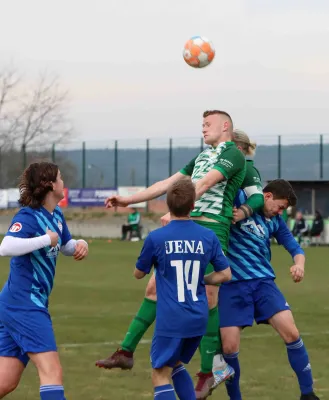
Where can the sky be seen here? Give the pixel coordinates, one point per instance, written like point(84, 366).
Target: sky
point(121, 61)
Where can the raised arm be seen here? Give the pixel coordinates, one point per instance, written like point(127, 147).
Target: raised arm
point(150, 193)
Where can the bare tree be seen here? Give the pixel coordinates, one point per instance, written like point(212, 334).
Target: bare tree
point(30, 120)
point(9, 83)
point(43, 114)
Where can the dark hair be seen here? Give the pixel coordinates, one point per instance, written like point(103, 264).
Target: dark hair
point(219, 112)
point(36, 182)
point(181, 197)
point(281, 189)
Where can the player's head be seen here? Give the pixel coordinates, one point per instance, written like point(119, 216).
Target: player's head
point(40, 182)
point(243, 143)
point(217, 127)
point(181, 198)
point(278, 196)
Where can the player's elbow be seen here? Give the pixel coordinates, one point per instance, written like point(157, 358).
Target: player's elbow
point(139, 274)
point(227, 275)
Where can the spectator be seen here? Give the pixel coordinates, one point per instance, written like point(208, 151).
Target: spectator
point(300, 229)
point(317, 226)
point(133, 225)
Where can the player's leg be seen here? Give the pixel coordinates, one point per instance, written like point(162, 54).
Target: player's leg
point(164, 356)
point(123, 357)
point(231, 344)
point(271, 307)
point(237, 311)
point(11, 370)
point(163, 390)
point(209, 344)
point(33, 333)
point(283, 322)
point(50, 375)
point(182, 380)
point(12, 362)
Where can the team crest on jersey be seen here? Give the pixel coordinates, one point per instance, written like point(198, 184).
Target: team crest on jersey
point(251, 227)
point(60, 226)
point(16, 227)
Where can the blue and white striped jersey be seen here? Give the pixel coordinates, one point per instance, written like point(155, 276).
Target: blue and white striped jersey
point(31, 276)
point(249, 251)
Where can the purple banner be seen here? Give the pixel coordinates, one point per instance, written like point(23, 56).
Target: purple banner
point(90, 197)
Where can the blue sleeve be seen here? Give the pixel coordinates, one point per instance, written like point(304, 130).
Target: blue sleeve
point(146, 258)
point(66, 235)
point(284, 237)
point(23, 225)
point(218, 259)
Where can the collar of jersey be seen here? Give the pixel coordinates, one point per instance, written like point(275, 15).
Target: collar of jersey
point(219, 144)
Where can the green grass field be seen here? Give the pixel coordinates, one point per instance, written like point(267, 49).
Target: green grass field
point(94, 301)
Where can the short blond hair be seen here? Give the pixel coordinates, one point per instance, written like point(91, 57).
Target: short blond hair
point(240, 138)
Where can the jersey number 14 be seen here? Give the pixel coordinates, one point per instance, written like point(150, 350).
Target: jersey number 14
point(183, 274)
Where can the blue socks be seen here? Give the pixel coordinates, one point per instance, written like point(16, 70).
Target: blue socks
point(164, 392)
point(52, 392)
point(183, 383)
point(233, 385)
point(300, 363)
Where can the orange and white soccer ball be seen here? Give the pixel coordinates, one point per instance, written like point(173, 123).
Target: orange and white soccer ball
point(198, 52)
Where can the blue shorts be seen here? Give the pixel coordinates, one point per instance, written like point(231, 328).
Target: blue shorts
point(25, 331)
point(168, 351)
point(242, 302)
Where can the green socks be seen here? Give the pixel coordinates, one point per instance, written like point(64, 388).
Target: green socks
point(139, 325)
point(210, 342)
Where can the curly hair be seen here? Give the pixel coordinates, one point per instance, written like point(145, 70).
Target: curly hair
point(36, 182)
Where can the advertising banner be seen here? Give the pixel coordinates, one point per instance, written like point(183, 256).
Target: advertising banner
point(130, 190)
point(89, 197)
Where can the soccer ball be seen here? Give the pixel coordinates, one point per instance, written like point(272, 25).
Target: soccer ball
point(198, 52)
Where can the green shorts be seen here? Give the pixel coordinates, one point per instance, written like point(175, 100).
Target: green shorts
point(222, 231)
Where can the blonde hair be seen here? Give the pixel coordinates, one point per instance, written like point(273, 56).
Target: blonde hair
point(241, 139)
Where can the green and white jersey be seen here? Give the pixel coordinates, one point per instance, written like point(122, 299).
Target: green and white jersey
point(252, 186)
point(217, 202)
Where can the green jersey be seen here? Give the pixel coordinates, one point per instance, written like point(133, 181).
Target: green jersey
point(252, 186)
point(134, 218)
point(217, 202)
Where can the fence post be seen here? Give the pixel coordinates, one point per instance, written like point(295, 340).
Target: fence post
point(53, 153)
point(116, 165)
point(83, 164)
point(147, 178)
point(279, 156)
point(321, 156)
point(24, 155)
point(170, 156)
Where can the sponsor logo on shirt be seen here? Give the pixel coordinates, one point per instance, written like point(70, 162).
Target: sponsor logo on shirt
point(60, 226)
point(16, 227)
point(53, 252)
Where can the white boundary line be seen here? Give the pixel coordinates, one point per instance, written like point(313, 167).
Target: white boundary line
point(115, 343)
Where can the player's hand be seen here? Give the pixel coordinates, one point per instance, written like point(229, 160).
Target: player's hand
point(165, 219)
point(53, 237)
point(235, 215)
point(297, 273)
point(117, 201)
point(81, 250)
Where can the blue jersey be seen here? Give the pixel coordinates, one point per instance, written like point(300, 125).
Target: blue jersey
point(180, 253)
point(249, 251)
point(32, 275)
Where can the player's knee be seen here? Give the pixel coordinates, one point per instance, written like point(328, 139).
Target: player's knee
point(291, 334)
point(53, 374)
point(7, 387)
point(230, 346)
